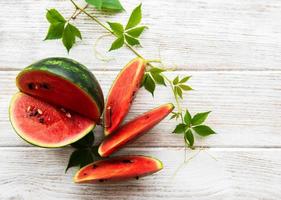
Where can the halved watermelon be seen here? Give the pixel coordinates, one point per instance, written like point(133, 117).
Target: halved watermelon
point(63, 82)
point(133, 129)
point(59, 103)
point(44, 125)
point(122, 93)
point(118, 168)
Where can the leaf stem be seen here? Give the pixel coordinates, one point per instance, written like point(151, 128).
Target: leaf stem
point(104, 26)
point(176, 97)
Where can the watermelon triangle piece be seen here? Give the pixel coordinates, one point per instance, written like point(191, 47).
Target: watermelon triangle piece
point(133, 129)
point(118, 168)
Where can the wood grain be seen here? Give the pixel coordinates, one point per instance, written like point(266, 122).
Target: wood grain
point(194, 35)
point(232, 50)
point(33, 173)
point(246, 109)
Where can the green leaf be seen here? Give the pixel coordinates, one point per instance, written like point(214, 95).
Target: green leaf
point(178, 91)
point(136, 32)
point(176, 80)
point(118, 43)
point(131, 41)
point(149, 84)
point(158, 79)
point(96, 3)
point(55, 31)
point(86, 142)
point(80, 158)
point(189, 138)
point(75, 31)
point(203, 130)
point(135, 18)
point(117, 28)
point(185, 79)
point(144, 79)
point(199, 118)
point(112, 5)
point(185, 87)
point(68, 37)
point(53, 16)
point(187, 118)
point(156, 70)
point(180, 128)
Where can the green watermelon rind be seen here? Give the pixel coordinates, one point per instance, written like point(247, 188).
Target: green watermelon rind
point(30, 141)
point(72, 71)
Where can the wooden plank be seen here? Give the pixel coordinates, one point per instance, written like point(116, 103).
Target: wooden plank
point(195, 35)
point(33, 173)
point(246, 109)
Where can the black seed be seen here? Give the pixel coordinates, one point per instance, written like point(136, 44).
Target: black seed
point(95, 166)
point(31, 86)
point(85, 174)
point(147, 117)
point(45, 86)
point(137, 177)
point(33, 113)
point(41, 120)
point(101, 180)
point(127, 161)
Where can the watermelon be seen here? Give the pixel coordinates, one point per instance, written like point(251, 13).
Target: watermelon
point(122, 93)
point(118, 168)
point(63, 82)
point(133, 129)
point(59, 102)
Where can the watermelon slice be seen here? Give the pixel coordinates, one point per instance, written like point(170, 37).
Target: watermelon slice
point(118, 168)
point(44, 125)
point(133, 129)
point(59, 103)
point(122, 93)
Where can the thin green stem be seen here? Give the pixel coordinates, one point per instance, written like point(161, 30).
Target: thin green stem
point(176, 97)
point(105, 27)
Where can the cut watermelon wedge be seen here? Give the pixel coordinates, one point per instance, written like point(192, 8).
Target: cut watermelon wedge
point(122, 93)
point(118, 168)
point(133, 129)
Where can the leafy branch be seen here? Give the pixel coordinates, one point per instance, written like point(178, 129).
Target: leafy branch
point(129, 36)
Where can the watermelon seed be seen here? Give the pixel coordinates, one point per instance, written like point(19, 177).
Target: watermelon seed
point(85, 174)
point(31, 86)
point(28, 108)
point(137, 177)
point(45, 86)
point(127, 161)
point(95, 166)
point(63, 110)
point(41, 120)
point(36, 86)
point(68, 115)
point(33, 113)
point(40, 112)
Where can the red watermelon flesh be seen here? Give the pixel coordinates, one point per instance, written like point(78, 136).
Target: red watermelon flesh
point(133, 129)
point(45, 125)
point(58, 91)
point(122, 93)
point(118, 168)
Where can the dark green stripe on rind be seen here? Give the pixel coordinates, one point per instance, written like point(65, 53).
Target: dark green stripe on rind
point(73, 71)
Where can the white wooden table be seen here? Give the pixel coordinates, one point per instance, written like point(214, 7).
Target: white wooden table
point(233, 51)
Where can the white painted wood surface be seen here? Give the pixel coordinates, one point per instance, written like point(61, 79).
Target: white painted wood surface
point(232, 50)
